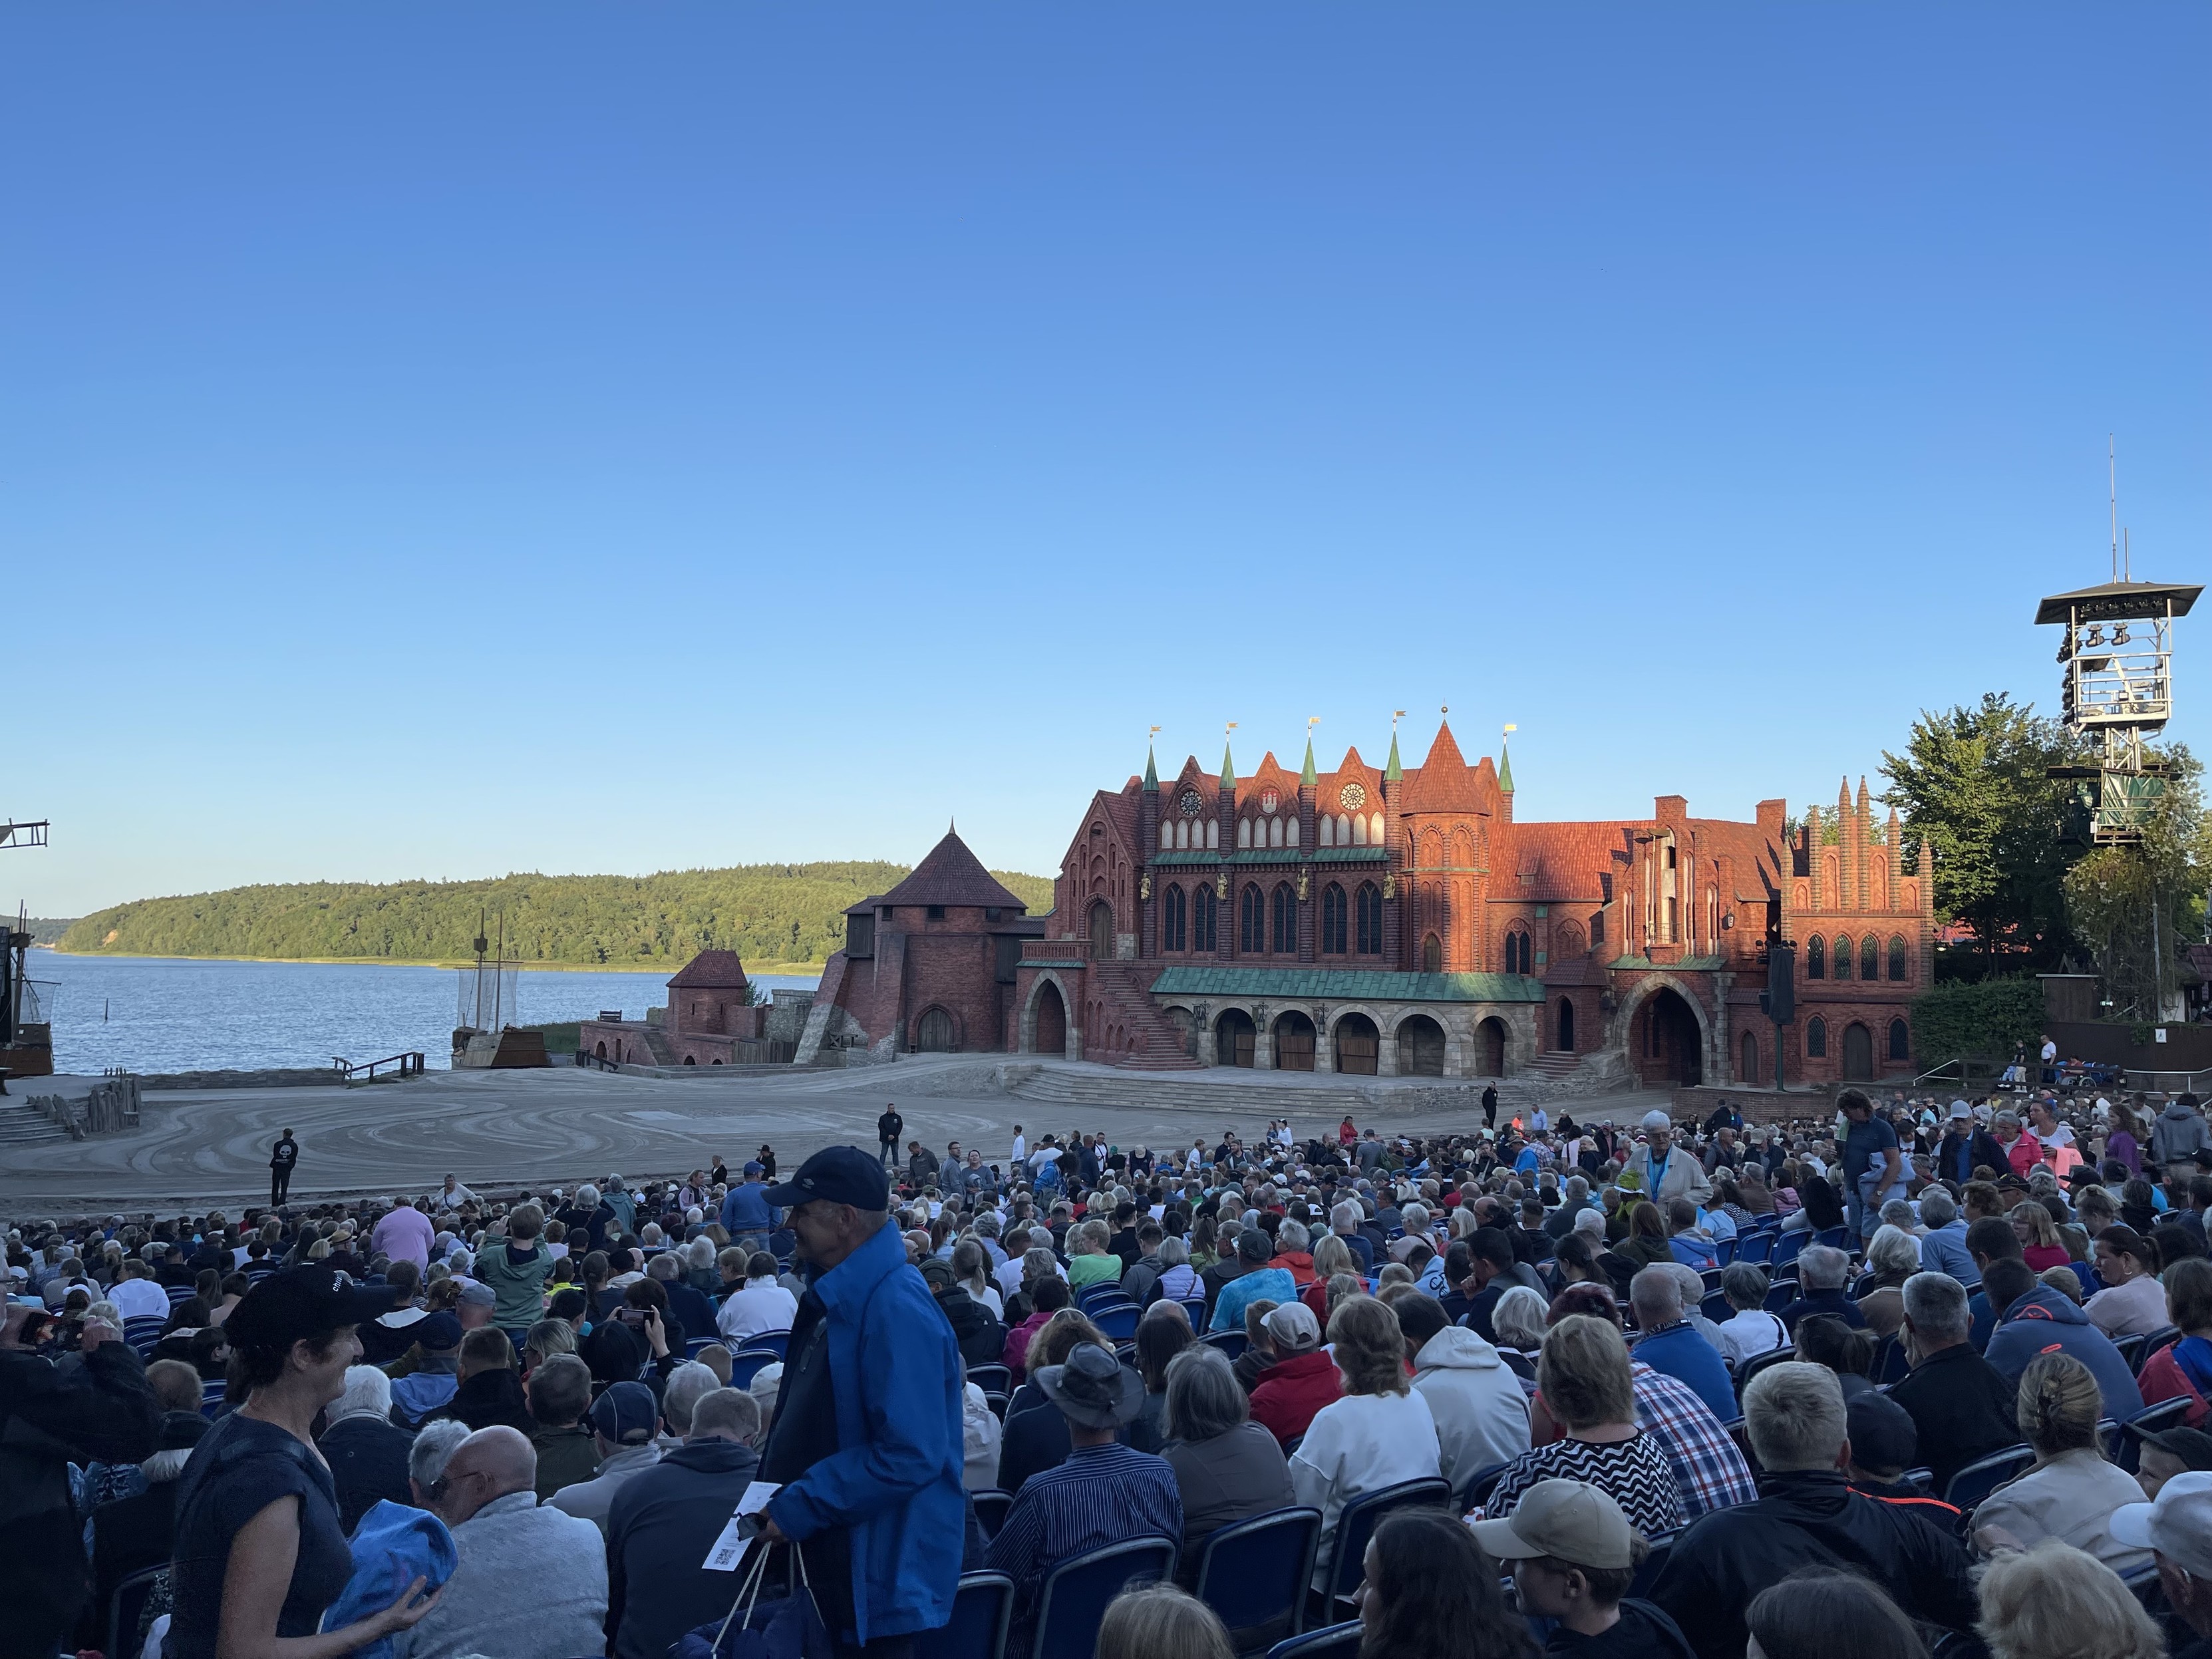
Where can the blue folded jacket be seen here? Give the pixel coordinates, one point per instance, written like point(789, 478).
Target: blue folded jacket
point(393, 1546)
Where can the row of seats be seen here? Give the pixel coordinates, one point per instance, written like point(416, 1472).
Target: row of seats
point(1255, 1575)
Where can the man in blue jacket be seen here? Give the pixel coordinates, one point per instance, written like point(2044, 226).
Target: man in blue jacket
point(2035, 1319)
point(745, 1211)
point(867, 1439)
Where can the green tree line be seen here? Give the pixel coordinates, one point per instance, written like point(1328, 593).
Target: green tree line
point(767, 913)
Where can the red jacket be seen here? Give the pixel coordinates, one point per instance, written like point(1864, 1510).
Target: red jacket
point(1291, 1390)
point(1300, 1265)
point(2024, 1154)
point(2163, 1378)
point(1018, 1343)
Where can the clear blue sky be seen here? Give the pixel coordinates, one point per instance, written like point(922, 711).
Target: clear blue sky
point(444, 441)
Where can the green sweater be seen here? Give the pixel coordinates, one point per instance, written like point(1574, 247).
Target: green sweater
point(521, 1284)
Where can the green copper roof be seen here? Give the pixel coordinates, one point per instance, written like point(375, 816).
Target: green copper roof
point(1345, 985)
point(1151, 773)
point(1306, 772)
point(1227, 770)
point(1394, 773)
point(1504, 768)
point(1687, 965)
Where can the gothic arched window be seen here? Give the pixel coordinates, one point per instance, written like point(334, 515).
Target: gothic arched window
point(1369, 903)
point(1172, 930)
point(1816, 1038)
point(1201, 920)
point(1518, 952)
point(1251, 922)
point(1900, 1041)
point(1897, 957)
point(1287, 919)
point(1869, 958)
point(1332, 928)
point(1432, 954)
point(1843, 960)
point(1816, 957)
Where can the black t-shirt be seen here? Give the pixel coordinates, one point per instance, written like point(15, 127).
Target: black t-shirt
point(239, 1467)
point(1642, 1632)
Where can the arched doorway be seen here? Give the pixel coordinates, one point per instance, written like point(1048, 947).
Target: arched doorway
point(1566, 1025)
point(1747, 1071)
point(1490, 1047)
point(1294, 1043)
point(1858, 1054)
point(1420, 1046)
point(600, 1049)
point(1234, 1037)
point(932, 1032)
point(1101, 932)
point(1051, 1021)
point(1357, 1045)
point(1432, 954)
point(1668, 1040)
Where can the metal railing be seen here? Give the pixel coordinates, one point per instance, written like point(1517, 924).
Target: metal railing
point(408, 1065)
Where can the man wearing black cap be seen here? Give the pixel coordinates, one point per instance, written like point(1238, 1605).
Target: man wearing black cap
point(867, 1442)
point(1105, 1493)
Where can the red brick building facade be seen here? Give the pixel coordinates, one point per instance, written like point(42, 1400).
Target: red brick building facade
point(1400, 920)
point(929, 967)
point(710, 1013)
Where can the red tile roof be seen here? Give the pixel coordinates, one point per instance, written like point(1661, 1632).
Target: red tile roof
point(711, 971)
point(951, 875)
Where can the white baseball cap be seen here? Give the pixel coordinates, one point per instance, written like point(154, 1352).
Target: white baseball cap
point(2178, 1526)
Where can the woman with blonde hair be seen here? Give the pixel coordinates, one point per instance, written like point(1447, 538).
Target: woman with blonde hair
point(1332, 1256)
point(1583, 1380)
point(2056, 1603)
point(1378, 1434)
point(2039, 1244)
point(1159, 1621)
point(2070, 1492)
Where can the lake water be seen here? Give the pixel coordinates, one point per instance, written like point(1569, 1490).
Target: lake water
point(170, 1014)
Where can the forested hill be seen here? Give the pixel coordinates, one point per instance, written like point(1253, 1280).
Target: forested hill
point(767, 913)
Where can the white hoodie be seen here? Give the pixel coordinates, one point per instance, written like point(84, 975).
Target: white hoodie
point(1481, 1411)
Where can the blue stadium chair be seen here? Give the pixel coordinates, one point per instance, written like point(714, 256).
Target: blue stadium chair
point(776, 1342)
point(1337, 1642)
point(1985, 1476)
point(1074, 1598)
point(1478, 1486)
point(1724, 1249)
point(2131, 1349)
point(1837, 1238)
point(992, 1379)
point(127, 1605)
point(991, 1507)
point(1255, 1574)
point(1754, 1248)
point(1780, 1294)
point(1355, 1526)
point(1712, 1278)
point(982, 1609)
point(749, 1363)
point(1101, 1296)
point(1231, 1343)
point(1118, 1323)
point(1787, 1245)
point(143, 1334)
point(1890, 1364)
point(1195, 1307)
point(1715, 1308)
point(2152, 1419)
point(178, 1293)
point(1760, 1362)
point(695, 1347)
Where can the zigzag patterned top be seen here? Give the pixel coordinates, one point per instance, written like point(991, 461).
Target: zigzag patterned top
point(1635, 1472)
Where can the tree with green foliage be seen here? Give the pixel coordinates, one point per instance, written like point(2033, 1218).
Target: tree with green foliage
point(1989, 1020)
point(767, 913)
point(2132, 906)
point(1974, 783)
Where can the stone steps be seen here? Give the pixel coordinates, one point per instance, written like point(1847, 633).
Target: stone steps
point(21, 1127)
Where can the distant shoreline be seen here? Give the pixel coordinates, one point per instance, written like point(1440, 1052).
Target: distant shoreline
point(787, 970)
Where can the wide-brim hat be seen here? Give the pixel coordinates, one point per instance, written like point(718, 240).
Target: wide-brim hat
point(1093, 1388)
point(299, 1304)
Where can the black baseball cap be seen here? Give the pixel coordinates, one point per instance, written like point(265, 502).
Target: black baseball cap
point(838, 1175)
point(301, 1303)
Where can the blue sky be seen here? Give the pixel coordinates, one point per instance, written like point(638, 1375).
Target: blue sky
point(439, 441)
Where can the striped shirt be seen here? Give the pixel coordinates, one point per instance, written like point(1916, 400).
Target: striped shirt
point(1709, 1471)
point(1635, 1472)
point(1101, 1495)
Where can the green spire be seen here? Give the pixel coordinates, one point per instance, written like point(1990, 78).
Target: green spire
point(1151, 773)
point(1227, 770)
point(1394, 773)
point(1504, 768)
point(1306, 772)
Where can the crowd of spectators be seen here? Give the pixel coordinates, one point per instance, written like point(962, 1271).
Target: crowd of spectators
point(1670, 1388)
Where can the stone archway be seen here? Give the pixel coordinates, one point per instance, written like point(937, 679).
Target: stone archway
point(1236, 1039)
point(1684, 1041)
point(1358, 1046)
point(1420, 1046)
point(1294, 1041)
point(1044, 1027)
point(1491, 1038)
point(934, 1033)
point(1101, 932)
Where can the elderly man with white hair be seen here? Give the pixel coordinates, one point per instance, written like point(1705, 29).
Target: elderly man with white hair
point(1663, 1170)
point(367, 1454)
point(1806, 1516)
point(529, 1578)
point(1821, 1271)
